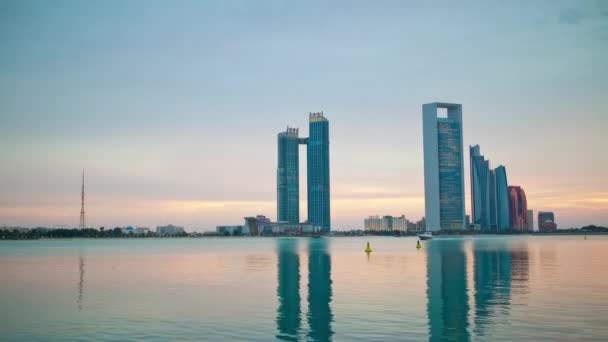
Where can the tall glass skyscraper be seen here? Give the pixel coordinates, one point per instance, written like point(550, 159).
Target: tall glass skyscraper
point(288, 176)
point(288, 190)
point(443, 167)
point(318, 172)
point(480, 188)
point(502, 198)
point(492, 191)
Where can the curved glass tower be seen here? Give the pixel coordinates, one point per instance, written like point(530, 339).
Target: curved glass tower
point(480, 189)
point(502, 198)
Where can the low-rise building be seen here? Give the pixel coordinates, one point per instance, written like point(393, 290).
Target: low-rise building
point(400, 223)
point(169, 230)
point(385, 223)
point(229, 230)
point(142, 230)
point(375, 223)
point(289, 228)
point(254, 224)
point(546, 221)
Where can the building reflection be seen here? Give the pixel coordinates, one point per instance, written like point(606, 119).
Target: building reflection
point(492, 269)
point(447, 295)
point(499, 267)
point(319, 314)
point(288, 290)
point(80, 282)
point(520, 261)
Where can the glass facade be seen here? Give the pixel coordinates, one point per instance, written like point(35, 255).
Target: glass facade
point(450, 173)
point(480, 189)
point(288, 189)
point(318, 172)
point(518, 208)
point(502, 199)
point(492, 192)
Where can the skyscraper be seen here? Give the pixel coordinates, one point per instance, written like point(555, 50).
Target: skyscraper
point(502, 198)
point(518, 208)
point(443, 167)
point(492, 192)
point(480, 188)
point(288, 177)
point(288, 189)
point(318, 172)
point(530, 220)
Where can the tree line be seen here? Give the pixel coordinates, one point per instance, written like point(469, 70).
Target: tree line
point(38, 233)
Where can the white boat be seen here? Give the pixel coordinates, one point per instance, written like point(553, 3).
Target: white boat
point(425, 236)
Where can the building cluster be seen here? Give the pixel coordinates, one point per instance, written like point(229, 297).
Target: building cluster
point(495, 205)
point(392, 223)
point(288, 187)
point(261, 225)
point(288, 174)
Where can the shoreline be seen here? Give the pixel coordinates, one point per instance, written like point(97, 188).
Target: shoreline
point(298, 236)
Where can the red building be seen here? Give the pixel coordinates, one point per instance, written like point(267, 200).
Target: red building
point(518, 208)
point(547, 226)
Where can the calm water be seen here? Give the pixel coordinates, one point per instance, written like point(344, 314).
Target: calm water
point(503, 288)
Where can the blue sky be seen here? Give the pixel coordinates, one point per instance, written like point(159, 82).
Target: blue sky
point(173, 108)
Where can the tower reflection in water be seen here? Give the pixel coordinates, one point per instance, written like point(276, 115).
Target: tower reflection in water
point(288, 290)
point(496, 266)
point(80, 282)
point(319, 316)
point(448, 303)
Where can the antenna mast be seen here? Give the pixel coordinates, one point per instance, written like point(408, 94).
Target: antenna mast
point(82, 224)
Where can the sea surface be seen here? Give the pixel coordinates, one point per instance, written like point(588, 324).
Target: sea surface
point(530, 288)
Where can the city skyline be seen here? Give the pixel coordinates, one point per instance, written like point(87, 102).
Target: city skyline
point(173, 114)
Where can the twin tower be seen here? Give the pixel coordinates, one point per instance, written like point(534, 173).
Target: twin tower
point(288, 174)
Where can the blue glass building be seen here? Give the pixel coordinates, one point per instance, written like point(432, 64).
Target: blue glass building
point(443, 167)
point(502, 198)
point(480, 188)
point(492, 191)
point(318, 172)
point(288, 176)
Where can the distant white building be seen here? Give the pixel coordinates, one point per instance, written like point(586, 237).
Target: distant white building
point(530, 222)
point(385, 223)
point(400, 223)
point(375, 223)
point(169, 230)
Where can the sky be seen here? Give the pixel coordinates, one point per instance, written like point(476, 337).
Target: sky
point(172, 108)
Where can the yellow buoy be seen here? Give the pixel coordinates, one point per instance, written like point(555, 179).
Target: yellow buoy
point(368, 249)
point(418, 244)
